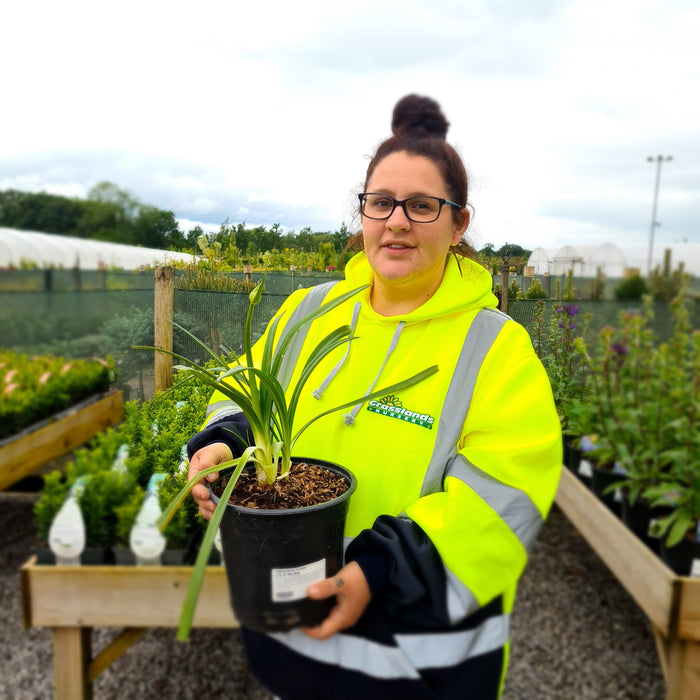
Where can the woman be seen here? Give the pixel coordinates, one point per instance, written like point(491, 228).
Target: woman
point(455, 475)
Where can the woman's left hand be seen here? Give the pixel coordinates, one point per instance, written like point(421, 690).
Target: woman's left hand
point(353, 596)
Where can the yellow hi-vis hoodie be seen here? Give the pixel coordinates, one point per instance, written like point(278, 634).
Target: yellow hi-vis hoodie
point(455, 474)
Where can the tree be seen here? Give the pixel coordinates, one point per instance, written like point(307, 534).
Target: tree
point(536, 291)
point(39, 211)
point(631, 288)
point(192, 237)
point(108, 192)
point(109, 214)
point(341, 238)
point(104, 221)
point(155, 228)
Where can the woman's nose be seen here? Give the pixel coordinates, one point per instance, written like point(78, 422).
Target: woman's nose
point(398, 219)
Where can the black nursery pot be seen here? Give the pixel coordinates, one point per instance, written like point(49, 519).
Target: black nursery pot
point(680, 557)
point(574, 457)
point(638, 517)
point(601, 479)
point(272, 556)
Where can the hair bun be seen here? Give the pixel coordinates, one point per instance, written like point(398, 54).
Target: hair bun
point(416, 113)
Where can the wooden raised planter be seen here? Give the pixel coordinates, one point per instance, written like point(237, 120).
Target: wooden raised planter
point(38, 445)
point(670, 602)
point(74, 599)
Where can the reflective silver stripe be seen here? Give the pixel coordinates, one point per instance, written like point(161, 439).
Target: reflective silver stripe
point(460, 600)
point(414, 651)
point(452, 648)
point(227, 408)
point(480, 337)
point(309, 303)
point(352, 653)
point(513, 505)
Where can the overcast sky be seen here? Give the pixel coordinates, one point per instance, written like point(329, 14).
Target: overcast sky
point(266, 112)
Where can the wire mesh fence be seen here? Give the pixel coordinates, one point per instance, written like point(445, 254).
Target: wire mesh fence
point(113, 312)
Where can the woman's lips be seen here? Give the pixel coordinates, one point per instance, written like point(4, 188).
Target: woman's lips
point(396, 246)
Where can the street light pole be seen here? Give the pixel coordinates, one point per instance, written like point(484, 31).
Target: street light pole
point(654, 223)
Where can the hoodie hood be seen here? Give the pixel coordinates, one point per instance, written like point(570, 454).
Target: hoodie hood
point(464, 286)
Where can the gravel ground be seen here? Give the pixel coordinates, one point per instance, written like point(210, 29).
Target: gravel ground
point(577, 634)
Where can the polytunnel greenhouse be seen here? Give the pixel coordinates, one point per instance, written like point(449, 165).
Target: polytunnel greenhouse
point(611, 260)
point(19, 248)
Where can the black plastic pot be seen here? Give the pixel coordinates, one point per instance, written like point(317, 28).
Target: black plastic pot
point(574, 459)
point(600, 481)
point(90, 556)
point(572, 456)
point(639, 515)
point(680, 557)
point(272, 556)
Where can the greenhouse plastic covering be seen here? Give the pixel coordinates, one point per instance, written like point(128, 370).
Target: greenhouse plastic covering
point(17, 248)
point(612, 260)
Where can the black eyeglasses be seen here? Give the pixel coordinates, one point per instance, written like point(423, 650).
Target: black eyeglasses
point(421, 210)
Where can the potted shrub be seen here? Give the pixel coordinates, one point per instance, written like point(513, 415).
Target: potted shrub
point(269, 461)
point(625, 379)
point(102, 490)
point(35, 388)
point(555, 341)
point(646, 398)
point(678, 486)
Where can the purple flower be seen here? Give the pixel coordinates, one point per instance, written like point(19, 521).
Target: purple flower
point(619, 349)
point(586, 444)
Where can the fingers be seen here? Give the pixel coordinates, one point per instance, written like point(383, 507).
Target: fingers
point(336, 621)
point(353, 596)
point(207, 457)
point(326, 588)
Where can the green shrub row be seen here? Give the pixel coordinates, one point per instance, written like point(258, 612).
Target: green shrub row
point(153, 434)
point(34, 388)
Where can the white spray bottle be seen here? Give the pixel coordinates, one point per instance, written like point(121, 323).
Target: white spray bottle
point(67, 531)
point(145, 539)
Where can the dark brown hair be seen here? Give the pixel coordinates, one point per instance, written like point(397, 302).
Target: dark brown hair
point(420, 128)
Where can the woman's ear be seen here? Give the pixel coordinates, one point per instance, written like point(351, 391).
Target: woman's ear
point(461, 228)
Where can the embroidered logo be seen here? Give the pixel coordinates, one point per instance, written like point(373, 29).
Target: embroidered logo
point(392, 407)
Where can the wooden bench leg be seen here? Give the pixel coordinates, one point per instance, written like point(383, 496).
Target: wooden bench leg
point(662, 648)
point(683, 682)
point(71, 657)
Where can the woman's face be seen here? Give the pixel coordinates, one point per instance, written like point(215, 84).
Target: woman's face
point(405, 254)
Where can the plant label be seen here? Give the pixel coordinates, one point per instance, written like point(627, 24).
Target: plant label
point(147, 543)
point(653, 530)
point(67, 533)
point(291, 584)
point(695, 569)
point(585, 468)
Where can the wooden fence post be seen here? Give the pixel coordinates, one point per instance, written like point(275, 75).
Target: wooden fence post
point(504, 289)
point(163, 327)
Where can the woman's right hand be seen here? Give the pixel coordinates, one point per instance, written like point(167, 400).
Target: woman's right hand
point(208, 456)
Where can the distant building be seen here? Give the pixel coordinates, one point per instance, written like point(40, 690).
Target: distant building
point(611, 260)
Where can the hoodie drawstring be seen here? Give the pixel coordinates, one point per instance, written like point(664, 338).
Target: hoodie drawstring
point(350, 417)
point(317, 393)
